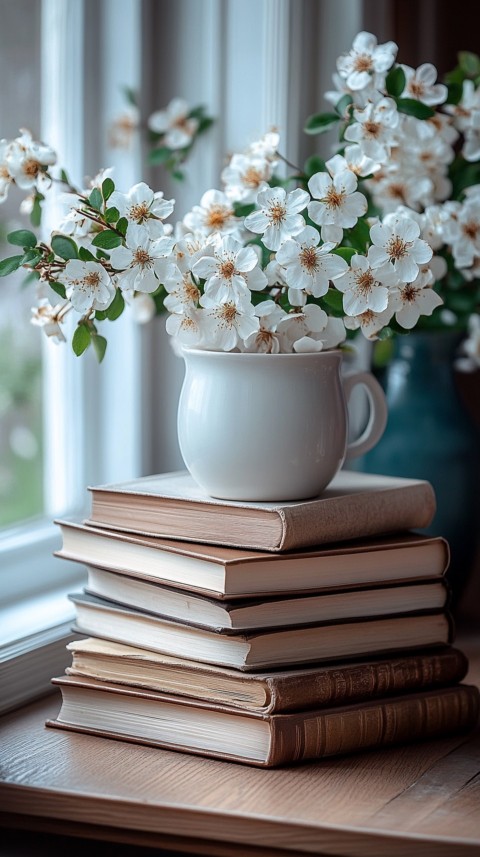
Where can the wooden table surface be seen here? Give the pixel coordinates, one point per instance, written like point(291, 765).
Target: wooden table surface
point(396, 802)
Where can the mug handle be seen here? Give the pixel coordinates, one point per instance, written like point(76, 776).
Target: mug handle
point(378, 412)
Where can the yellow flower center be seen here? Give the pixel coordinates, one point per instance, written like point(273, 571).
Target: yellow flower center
point(308, 259)
point(334, 198)
point(365, 282)
point(252, 177)
point(92, 279)
point(363, 62)
point(397, 248)
point(217, 216)
point(139, 212)
point(227, 269)
point(141, 257)
point(278, 213)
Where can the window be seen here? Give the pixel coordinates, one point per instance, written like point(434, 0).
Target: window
point(253, 65)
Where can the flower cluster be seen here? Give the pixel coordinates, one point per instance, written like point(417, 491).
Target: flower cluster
point(25, 162)
point(171, 132)
point(382, 236)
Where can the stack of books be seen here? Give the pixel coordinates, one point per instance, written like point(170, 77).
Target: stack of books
point(263, 633)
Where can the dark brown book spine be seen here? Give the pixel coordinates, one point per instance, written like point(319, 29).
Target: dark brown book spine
point(362, 727)
point(354, 682)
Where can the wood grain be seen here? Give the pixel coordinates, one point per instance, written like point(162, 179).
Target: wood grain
point(392, 801)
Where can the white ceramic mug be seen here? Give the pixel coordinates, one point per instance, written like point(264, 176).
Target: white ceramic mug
point(270, 427)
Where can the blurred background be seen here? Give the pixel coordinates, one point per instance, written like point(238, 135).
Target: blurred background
point(64, 66)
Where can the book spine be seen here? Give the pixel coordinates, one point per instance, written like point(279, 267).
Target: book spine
point(364, 515)
point(335, 732)
point(347, 684)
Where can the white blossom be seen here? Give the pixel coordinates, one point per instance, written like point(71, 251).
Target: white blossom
point(420, 84)
point(183, 294)
point(44, 315)
point(470, 347)
point(374, 128)
point(330, 337)
point(5, 177)
point(396, 240)
point(339, 203)
point(353, 159)
point(175, 124)
point(309, 267)
point(265, 340)
point(187, 327)
point(278, 217)
point(88, 285)
point(27, 159)
point(213, 215)
point(411, 300)
point(143, 207)
point(310, 320)
point(143, 262)
point(123, 128)
point(230, 270)
point(365, 287)
point(226, 324)
point(245, 176)
point(365, 59)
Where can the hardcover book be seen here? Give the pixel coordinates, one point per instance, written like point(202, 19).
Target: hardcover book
point(319, 686)
point(355, 505)
point(181, 606)
point(261, 739)
point(228, 573)
point(252, 650)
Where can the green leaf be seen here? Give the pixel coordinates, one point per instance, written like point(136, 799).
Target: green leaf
point(455, 92)
point(100, 314)
point(359, 236)
point(23, 238)
point(64, 247)
point(36, 213)
point(395, 82)
point(345, 252)
point(59, 289)
point(81, 339)
point(382, 353)
point(159, 156)
point(85, 255)
point(334, 300)
point(8, 266)
point(99, 345)
point(469, 63)
point(31, 257)
point(178, 175)
point(122, 226)
point(112, 214)
point(95, 200)
point(130, 95)
point(204, 124)
point(318, 123)
point(107, 239)
point(415, 108)
point(116, 308)
point(108, 186)
point(314, 164)
point(342, 106)
point(64, 177)
point(386, 333)
point(243, 209)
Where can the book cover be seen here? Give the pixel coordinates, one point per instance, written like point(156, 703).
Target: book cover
point(354, 505)
point(259, 739)
point(266, 649)
point(178, 605)
point(319, 686)
point(230, 573)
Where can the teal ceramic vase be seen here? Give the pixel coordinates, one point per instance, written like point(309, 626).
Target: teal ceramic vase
point(430, 435)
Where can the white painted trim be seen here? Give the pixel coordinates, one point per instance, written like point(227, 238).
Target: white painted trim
point(62, 28)
point(276, 54)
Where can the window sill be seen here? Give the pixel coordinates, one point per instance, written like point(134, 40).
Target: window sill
point(33, 636)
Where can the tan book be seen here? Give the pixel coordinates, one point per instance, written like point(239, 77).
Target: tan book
point(355, 505)
point(271, 612)
point(272, 692)
point(228, 573)
point(259, 739)
point(259, 649)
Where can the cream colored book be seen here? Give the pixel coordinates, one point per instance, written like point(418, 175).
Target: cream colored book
point(355, 505)
point(265, 649)
point(229, 573)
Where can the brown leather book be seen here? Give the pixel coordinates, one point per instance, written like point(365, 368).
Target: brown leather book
point(264, 649)
point(228, 573)
point(258, 739)
point(319, 686)
point(355, 505)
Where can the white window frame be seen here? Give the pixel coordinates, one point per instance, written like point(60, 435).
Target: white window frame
point(84, 405)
